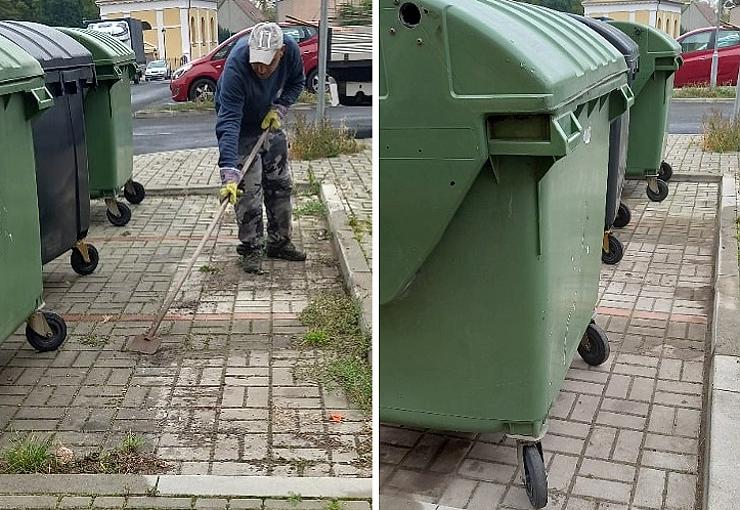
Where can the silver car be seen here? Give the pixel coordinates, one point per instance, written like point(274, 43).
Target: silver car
point(157, 70)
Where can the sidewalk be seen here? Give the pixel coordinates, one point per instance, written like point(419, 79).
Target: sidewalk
point(628, 434)
point(230, 392)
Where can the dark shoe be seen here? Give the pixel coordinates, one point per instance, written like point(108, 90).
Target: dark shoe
point(251, 262)
point(286, 251)
point(243, 249)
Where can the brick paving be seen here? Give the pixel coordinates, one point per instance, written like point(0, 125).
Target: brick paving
point(229, 392)
point(623, 435)
point(352, 174)
point(181, 503)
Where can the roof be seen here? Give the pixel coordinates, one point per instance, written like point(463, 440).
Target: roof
point(706, 11)
point(252, 11)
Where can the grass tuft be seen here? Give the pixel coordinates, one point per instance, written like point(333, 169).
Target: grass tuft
point(721, 134)
point(313, 140)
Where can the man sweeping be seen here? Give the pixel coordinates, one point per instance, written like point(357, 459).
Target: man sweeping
point(262, 78)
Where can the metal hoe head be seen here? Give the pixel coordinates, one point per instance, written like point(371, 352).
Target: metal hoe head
point(145, 344)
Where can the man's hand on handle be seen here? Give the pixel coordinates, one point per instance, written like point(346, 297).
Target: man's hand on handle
point(230, 178)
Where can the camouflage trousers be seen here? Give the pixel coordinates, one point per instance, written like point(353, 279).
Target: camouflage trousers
point(268, 180)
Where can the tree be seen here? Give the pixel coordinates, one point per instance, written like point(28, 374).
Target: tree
point(65, 13)
point(573, 6)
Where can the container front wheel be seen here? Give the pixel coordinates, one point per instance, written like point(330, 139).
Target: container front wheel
point(124, 215)
point(615, 253)
point(624, 216)
point(134, 192)
point(55, 337)
point(594, 346)
point(665, 172)
point(80, 265)
point(662, 192)
point(535, 476)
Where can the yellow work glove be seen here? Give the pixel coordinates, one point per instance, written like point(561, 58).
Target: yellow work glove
point(230, 192)
point(271, 120)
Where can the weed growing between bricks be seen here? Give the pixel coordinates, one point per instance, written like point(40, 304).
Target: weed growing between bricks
point(32, 453)
point(704, 92)
point(333, 322)
point(360, 227)
point(310, 207)
point(321, 140)
point(721, 134)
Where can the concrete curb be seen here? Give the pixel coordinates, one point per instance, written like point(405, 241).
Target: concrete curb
point(298, 187)
point(357, 275)
point(722, 448)
point(187, 485)
point(703, 99)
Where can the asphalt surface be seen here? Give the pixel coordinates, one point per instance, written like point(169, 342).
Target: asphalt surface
point(195, 131)
point(148, 94)
point(687, 117)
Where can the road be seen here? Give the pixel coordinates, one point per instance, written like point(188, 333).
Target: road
point(686, 117)
point(148, 94)
point(194, 131)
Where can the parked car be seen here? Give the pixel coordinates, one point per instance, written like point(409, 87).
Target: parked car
point(697, 48)
point(157, 70)
point(198, 78)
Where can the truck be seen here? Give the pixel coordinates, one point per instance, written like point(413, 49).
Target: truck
point(129, 31)
point(351, 64)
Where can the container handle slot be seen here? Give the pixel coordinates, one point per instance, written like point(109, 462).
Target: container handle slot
point(43, 98)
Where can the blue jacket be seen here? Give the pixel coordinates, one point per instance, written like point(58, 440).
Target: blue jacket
point(243, 99)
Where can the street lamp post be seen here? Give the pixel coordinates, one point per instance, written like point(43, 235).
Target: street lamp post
point(323, 50)
point(164, 44)
point(715, 53)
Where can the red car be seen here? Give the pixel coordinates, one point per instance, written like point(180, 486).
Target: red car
point(697, 48)
point(198, 78)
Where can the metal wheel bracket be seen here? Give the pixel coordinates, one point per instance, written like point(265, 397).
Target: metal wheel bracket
point(112, 206)
point(605, 241)
point(81, 246)
point(37, 322)
point(129, 186)
point(652, 183)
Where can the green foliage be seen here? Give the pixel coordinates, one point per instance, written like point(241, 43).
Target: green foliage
point(360, 13)
point(55, 13)
point(573, 6)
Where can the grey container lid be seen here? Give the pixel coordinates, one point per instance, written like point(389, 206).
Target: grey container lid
point(54, 50)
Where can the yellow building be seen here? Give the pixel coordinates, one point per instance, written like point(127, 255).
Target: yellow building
point(181, 30)
point(664, 15)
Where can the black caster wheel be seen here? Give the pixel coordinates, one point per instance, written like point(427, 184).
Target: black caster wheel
point(616, 251)
point(665, 172)
point(535, 477)
point(78, 262)
point(44, 343)
point(624, 216)
point(134, 192)
point(662, 191)
point(594, 346)
point(123, 219)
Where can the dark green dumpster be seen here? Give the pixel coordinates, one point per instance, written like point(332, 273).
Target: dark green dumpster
point(22, 95)
point(494, 150)
point(660, 58)
point(108, 114)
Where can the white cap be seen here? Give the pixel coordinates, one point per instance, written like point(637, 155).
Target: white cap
point(264, 41)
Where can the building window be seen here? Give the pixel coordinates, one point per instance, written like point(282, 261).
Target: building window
point(203, 31)
point(213, 31)
point(192, 31)
point(676, 29)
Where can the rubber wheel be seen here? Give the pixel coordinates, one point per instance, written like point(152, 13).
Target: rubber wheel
point(138, 193)
point(616, 251)
point(624, 216)
point(662, 192)
point(594, 346)
point(78, 263)
point(52, 343)
point(202, 87)
point(665, 171)
point(535, 477)
point(123, 219)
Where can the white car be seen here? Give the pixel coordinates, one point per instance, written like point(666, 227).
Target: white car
point(157, 70)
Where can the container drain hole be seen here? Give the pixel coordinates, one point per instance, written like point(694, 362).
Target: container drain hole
point(410, 15)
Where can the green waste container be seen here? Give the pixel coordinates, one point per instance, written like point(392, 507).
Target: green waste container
point(110, 152)
point(494, 150)
point(22, 95)
point(660, 58)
